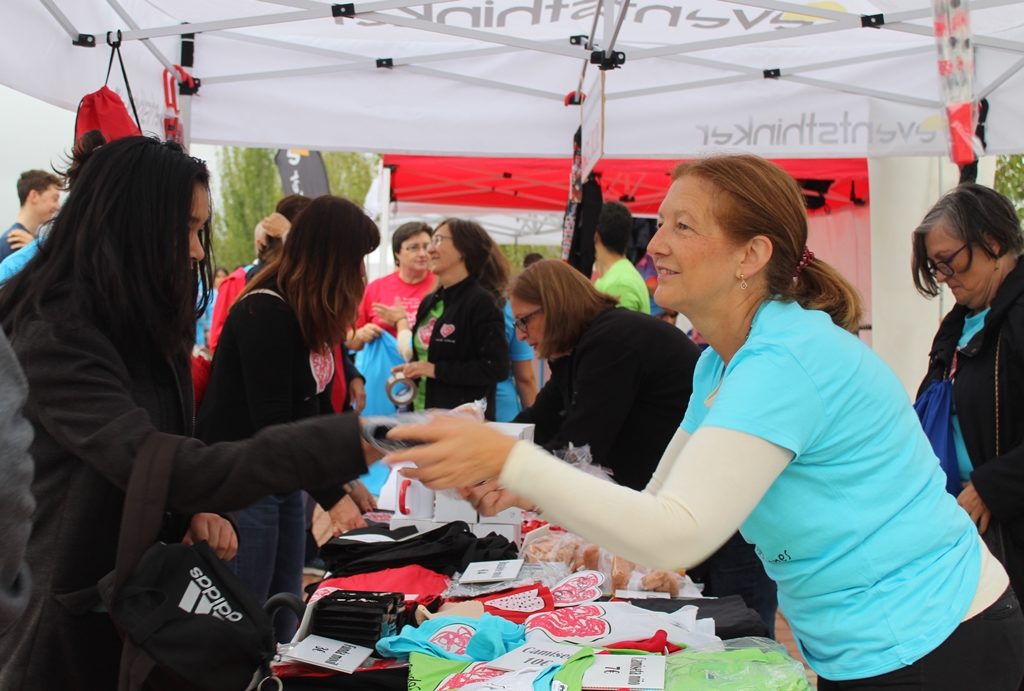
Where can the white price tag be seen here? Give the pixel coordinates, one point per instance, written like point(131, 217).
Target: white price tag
point(490, 571)
point(329, 653)
point(535, 655)
point(625, 672)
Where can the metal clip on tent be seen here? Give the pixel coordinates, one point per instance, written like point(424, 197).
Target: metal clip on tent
point(773, 73)
point(872, 21)
point(112, 42)
point(385, 63)
point(607, 60)
point(85, 41)
point(347, 9)
point(578, 39)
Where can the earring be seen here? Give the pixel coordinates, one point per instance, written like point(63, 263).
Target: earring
point(743, 282)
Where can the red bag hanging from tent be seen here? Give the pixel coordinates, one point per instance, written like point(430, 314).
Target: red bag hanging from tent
point(173, 128)
point(104, 110)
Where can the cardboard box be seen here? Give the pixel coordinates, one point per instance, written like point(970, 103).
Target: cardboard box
point(513, 516)
point(448, 507)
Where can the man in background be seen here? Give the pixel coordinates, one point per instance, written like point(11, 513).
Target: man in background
point(619, 278)
point(39, 196)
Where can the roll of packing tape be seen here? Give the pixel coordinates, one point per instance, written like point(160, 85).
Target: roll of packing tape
point(400, 390)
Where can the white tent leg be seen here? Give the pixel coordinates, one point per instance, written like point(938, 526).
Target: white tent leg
point(384, 224)
point(903, 322)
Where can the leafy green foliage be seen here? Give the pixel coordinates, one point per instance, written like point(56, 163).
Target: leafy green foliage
point(515, 253)
point(1010, 180)
point(250, 187)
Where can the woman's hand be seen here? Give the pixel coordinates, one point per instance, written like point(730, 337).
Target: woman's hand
point(357, 395)
point(361, 496)
point(346, 516)
point(390, 314)
point(971, 502)
point(416, 369)
point(367, 333)
point(216, 530)
point(456, 452)
point(489, 498)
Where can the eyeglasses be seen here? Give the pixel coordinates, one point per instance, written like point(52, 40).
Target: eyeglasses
point(523, 322)
point(944, 267)
point(421, 247)
point(438, 238)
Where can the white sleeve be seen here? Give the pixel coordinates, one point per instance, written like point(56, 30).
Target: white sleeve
point(668, 459)
point(679, 523)
point(404, 343)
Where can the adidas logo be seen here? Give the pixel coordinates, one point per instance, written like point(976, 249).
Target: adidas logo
point(203, 597)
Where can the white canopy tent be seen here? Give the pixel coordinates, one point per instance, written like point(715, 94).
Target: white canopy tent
point(850, 78)
point(489, 77)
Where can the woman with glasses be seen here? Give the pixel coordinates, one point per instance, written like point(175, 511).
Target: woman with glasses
point(619, 379)
point(970, 241)
point(459, 337)
point(798, 435)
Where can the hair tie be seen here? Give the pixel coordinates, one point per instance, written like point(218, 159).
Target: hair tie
point(805, 259)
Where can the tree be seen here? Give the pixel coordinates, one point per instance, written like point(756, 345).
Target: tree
point(1010, 180)
point(249, 189)
point(350, 174)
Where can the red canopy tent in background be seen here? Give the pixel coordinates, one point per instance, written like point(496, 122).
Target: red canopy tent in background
point(541, 184)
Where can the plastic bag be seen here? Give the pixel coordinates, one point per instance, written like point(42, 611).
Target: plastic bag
point(745, 664)
point(547, 574)
point(375, 428)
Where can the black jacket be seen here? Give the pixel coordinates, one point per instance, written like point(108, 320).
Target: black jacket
point(261, 373)
point(467, 346)
point(91, 407)
point(999, 480)
point(623, 390)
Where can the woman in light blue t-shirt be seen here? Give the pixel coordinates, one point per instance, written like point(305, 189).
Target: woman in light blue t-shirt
point(797, 434)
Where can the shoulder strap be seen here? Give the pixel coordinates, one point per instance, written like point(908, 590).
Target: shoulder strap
point(145, 501)
point(263, 291)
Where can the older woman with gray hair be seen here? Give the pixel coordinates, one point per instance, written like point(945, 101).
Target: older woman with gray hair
point(971, 242)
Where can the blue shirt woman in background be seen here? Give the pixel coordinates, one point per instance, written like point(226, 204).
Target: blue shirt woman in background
point(797, 434)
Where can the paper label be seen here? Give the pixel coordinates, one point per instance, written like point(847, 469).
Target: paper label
point(625, 672)
point(641, 595)
point(329, 653)
point(535, 655)
point(489, 571)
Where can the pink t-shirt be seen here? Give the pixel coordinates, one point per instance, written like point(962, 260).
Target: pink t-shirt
point(385, 290)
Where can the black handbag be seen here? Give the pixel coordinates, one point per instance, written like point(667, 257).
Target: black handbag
point(186, 620)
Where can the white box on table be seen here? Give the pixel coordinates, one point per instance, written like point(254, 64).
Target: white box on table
point(515, 429)
point(448, 507)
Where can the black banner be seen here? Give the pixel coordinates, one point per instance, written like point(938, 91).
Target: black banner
point(302, 172)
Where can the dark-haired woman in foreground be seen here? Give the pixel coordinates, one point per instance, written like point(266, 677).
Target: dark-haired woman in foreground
point(796, 434)
point(102, 321)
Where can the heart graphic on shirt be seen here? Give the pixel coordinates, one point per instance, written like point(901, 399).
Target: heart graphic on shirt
point(322, 367)
point(454, 638)
point(476, 672)
point(425, 331)
point(580, 624)
point(529, 601)
point(447, 330)
point(578, 588)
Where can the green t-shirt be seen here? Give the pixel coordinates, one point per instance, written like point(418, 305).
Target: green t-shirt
point(623, 281)
point(420, 344)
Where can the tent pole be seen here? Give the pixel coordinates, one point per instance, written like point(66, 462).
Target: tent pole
point(384, 224)
point(185, 95)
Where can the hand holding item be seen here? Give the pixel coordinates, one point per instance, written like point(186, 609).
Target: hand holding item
point(454, 451)
point(216, 530)
point(390, 314)
point(367, 333)
point(416, 369)
point(346, 516)
point(489, 498)
point(18, 238)
point(971, 502)
point(357, 395)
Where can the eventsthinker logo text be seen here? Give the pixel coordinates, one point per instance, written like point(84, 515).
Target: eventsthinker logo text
point(203, 597)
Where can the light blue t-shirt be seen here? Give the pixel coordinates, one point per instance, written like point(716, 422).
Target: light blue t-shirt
point(876, 564)
point(15, 262)
point(972, 325)
point(507, 398)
